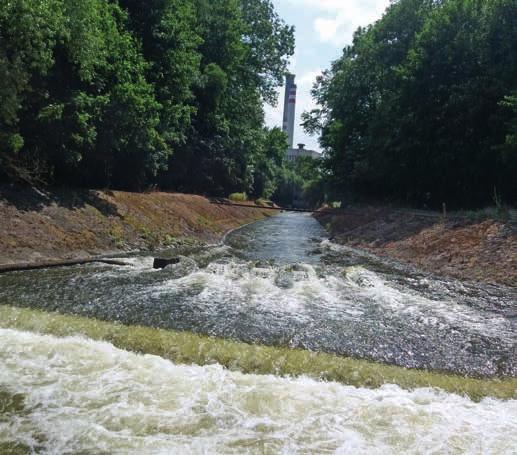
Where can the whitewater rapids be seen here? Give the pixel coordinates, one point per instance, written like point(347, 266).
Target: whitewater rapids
point(83, 396)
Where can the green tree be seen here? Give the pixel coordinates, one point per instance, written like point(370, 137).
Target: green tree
point(270, 44)
point(168, 30)
point(88, 115)
point(413, 109)
point(226, 140)
point(102, 93)
point(28, 32)
point(509, 150)
point(269, 162)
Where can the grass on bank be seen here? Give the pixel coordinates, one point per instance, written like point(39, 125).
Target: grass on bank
point(238, 197)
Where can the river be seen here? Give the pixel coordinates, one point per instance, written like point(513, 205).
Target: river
point(356, 354)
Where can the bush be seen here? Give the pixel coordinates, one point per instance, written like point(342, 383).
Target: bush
point(264, 202)
point(238, 197)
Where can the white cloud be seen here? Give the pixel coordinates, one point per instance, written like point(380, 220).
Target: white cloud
point(274, 114)
point(333, 23)
point(337, 20)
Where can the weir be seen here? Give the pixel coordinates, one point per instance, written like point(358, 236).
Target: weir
point(189, 348)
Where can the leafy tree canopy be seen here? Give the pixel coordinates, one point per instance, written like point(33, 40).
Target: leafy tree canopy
point(128, 93)
point(420, 108)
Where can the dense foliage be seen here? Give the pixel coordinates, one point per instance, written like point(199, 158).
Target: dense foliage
point(128, 93)
point(302, 183)
point(422, 107)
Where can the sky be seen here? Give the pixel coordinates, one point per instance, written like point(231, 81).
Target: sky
point(323, 29)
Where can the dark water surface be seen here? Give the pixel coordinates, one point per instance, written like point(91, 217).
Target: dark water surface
point(280, 282)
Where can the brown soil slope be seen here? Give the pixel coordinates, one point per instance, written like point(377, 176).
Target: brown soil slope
point(77, 224)
point(482, 251)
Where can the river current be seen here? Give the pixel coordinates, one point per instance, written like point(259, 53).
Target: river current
point(281, 284)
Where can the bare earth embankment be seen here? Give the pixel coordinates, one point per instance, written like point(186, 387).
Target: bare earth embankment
point(474, 250)
point(75, 224)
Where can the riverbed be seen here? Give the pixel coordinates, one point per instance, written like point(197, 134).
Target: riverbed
point(279, 285)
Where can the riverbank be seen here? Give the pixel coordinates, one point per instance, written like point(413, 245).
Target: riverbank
point(484, 250)
point(66, 224)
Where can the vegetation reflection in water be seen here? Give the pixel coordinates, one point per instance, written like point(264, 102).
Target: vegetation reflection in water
point(188, 348)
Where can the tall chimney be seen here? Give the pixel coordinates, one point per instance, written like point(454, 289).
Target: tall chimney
point(289, 108)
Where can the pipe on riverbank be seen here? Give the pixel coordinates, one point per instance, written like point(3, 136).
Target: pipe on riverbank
point(55, 264)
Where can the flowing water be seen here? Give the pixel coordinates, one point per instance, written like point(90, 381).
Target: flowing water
point(276, 298)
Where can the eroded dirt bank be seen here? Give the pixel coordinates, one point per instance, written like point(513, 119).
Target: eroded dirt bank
point(475, 250)
point(72, 224)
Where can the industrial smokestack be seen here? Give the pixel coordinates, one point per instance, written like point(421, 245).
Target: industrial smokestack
point(289, 108)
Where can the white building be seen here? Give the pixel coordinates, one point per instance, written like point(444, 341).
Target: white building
point(294, 154)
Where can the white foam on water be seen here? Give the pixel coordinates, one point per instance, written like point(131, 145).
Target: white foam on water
point(426, 310)
point(301, 292)
point(134, 266)
point(287, 289)
point(86, 396)
point(138, 262)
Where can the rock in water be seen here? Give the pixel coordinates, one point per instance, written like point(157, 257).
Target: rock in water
point(160, 263)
